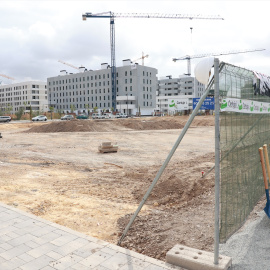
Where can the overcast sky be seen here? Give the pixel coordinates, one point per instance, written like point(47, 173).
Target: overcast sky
point(36, 34)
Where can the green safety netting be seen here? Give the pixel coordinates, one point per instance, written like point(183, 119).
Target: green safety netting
point(241, 135)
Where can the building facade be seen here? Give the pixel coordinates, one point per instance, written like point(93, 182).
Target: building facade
point(23, 95)
point(90, 90)
point(182, 88)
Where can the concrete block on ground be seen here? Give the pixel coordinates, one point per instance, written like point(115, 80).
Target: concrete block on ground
point(108, 147)
point(193, 259)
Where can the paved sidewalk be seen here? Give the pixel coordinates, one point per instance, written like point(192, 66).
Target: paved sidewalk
point(28, 242)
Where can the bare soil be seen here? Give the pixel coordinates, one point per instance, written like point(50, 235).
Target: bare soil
point(54, 170)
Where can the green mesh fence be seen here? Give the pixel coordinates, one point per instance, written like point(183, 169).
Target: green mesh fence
point(241, 135)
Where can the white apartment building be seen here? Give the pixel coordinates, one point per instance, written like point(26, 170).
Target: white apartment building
point(88, 89)
point(182, 88)
point(23, 95)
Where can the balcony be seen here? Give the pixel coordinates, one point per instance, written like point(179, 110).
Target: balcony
point(125, 107)
point(125, 98)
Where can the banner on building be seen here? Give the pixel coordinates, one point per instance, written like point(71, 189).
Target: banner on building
point(244, 106)
point(208, 104)
point(178, 104)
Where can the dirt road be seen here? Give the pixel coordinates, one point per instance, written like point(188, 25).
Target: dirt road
point(54, 170)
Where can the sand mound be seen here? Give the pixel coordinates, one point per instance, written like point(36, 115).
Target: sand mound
point(144, 123)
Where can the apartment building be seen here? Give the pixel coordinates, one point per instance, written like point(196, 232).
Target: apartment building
point(23, 95)
point(91, 89)
point(182, 89)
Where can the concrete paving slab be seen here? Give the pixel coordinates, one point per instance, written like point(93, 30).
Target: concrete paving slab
point(28, 242)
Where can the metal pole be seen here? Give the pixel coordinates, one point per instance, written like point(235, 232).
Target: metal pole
point(194, 113)
point(127, 105)
point(217, 160)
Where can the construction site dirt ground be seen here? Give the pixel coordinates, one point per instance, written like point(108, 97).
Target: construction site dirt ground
point(54, 170)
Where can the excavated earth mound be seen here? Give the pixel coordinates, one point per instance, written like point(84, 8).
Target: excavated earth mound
point(144, 123)
point(181, 200)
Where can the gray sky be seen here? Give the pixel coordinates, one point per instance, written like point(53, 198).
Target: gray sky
point(36, 34)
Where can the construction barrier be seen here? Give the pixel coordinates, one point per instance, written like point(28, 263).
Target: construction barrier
point(244, 127)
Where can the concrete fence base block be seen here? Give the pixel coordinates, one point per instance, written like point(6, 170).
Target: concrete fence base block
point(194, 259)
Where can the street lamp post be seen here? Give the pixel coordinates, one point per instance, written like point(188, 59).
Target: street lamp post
point(159, 106)
point(51, 103)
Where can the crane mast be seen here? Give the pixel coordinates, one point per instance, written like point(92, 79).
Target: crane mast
point(113, 64)
point(112, 16)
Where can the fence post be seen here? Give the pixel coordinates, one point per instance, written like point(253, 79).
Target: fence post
point(217, 160)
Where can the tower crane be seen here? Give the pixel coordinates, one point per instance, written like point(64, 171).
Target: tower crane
point(112, 16)
point(67, 64)
point(189, 57)
point(143, 56)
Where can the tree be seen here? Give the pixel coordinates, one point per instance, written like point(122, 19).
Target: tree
point(8, 109)
point(112, 109)
point(51, 110)
point(95, 109)
point(30, 112)
point(87, 106)
point(72, 108)
point(20, 113)
point(59, 113)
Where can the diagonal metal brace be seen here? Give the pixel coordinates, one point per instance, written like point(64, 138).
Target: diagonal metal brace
point(192, 116)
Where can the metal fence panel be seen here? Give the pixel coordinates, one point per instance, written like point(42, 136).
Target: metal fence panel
point(241, 135)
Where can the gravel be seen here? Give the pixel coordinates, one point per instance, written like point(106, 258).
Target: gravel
point(250, 247)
